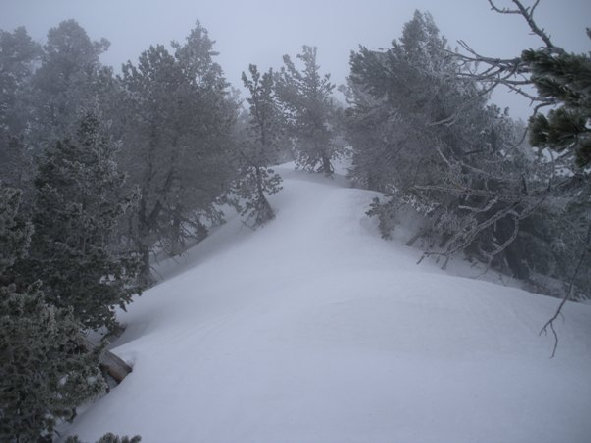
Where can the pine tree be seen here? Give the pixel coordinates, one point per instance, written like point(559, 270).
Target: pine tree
point(15, 233)
point(562, 80)
point(257, 179)
point(18, 56)
point(307, 100)
point(566, 79)
point(45, 369)
point(406, 103)
point(70, 81)
point(422, 133)
point(177, 140)
point(79, 203)
point(148, 146)
point(207, 167)
point(108, 438)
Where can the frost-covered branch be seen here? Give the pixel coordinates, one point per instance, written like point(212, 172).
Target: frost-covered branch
point(513, 73)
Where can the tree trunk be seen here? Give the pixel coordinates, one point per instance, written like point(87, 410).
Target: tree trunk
point(110, 364)
point(114, 366)
point(176, 243)
point(326, 165)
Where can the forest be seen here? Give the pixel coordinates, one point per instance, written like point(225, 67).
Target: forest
point(101, 173)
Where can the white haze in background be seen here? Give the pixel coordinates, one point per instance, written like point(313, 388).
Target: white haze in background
point(261, 31)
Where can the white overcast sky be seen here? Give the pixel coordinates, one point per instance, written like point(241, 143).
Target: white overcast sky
point(261, 31)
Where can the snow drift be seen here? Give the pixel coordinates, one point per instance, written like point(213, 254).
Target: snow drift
point(313, 329)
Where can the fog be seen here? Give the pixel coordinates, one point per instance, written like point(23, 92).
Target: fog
point(261, 31)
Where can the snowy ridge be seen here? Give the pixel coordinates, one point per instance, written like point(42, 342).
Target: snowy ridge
point(313, 329)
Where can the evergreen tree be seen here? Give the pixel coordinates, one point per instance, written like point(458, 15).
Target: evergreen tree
point(257, 179)
point(307, 100)
point(79, 203)
point(207, 166)
point(45, 369)
point(149, 91)
point(108, 438)
point(15, 233)
point(562, 80)
point(423, 134)
point(407, 105)
point(70, 81)
point(566, 79)
point(18, 55)
point(177, 141)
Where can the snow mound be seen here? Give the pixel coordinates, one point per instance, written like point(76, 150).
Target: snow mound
point(313, 329)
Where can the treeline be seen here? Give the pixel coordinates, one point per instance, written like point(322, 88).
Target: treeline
point(99, 171)
point(424, 134)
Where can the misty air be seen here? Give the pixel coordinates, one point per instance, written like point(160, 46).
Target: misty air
point(278, 221)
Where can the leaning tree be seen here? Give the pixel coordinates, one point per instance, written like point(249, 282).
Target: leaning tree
point(555, 79)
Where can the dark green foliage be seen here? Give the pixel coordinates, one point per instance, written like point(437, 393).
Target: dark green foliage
point(177, 141)
point(254, 184)
point(111, 438)
point(15, 233)
point(108, 438)
point(422, 134)
point(262, 141)
point(385, 212)
point(566, 79)
point(307, 100)
point(266, 125)
point(78, 205)
point(45, 371)
point(45, 368)
point(409, 110)
point(18, 55)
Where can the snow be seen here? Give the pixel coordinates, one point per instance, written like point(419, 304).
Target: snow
point(313, 329)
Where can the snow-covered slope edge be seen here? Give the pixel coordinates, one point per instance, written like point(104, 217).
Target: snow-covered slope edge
point(313, 329)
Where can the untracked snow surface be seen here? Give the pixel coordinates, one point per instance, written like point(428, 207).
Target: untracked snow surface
point(313, 329)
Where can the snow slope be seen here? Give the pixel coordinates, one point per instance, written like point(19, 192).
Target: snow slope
point(313, 329)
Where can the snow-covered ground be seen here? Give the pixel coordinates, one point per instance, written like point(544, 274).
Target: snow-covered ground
point(313, 329)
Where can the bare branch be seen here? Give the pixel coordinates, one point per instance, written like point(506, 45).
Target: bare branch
point(533, 8)
point(502, 246)
point(465, 237)
point(502, 10)
point(486, 208)
point(504, 197)
point(528, 15)
point(451, 119)
point(477, 57)
point(512, 73)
